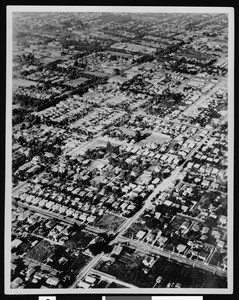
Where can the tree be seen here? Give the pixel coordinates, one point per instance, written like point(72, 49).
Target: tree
point(116, 72)
point(210, 222)
point(138, 136)
point(97, 248)
point(20, 264)
point(109, 147)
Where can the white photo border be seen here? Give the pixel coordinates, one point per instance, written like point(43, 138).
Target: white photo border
point(8, 164)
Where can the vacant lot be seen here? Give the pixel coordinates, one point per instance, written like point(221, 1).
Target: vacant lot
point(42, 251)
point(109, 222)
point(23, 82)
